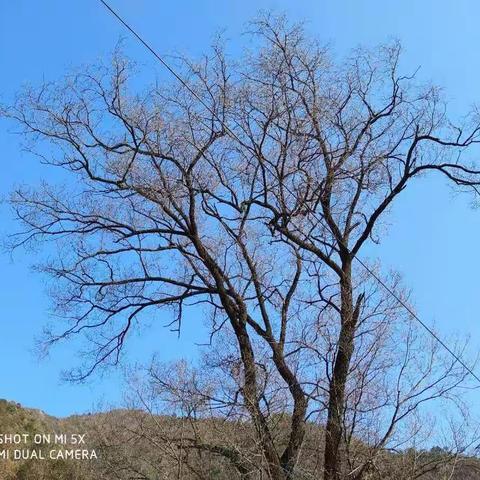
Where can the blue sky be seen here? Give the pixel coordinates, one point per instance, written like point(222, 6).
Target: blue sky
point(433, 239)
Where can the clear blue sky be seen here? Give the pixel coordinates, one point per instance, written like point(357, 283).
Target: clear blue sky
point(434, 236)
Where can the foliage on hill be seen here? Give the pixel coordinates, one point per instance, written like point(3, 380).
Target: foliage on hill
point(132, 444)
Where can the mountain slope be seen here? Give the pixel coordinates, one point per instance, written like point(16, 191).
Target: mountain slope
point(132, 444)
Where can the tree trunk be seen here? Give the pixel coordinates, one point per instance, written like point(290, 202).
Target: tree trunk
point(238, 321)
point(250, 395)
point(297, 433)
point(333, 457)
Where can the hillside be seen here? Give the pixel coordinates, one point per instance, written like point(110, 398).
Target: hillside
point(25, 433)
point(131, 444)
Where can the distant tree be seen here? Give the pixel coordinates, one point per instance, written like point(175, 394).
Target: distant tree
point(250, 198)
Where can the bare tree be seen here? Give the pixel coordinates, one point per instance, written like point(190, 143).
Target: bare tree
point(333, 148)
point(398, 400)
point(148, 224)
point(249, 194)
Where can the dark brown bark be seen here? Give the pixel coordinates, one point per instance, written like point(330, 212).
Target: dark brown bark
point(251, 399)
point(333, 457)
point(238, 319)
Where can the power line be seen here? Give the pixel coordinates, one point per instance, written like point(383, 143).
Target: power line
point(416, 317)
point(169, 68)
point(230, 132)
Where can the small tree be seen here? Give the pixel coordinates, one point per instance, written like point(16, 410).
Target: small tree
point(250, 193)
